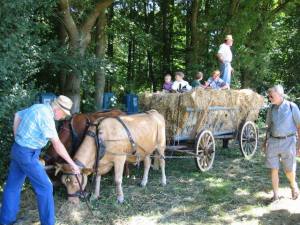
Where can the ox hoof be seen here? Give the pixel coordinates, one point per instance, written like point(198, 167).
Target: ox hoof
point(142, 184)
point(120, 200)
point(94, 197)
point(163, 184)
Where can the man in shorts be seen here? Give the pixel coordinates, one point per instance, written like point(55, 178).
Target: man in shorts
point(283, 123)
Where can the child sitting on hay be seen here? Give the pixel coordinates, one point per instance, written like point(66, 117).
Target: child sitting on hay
point(167, 87)
point(198, 80)
point(179, 84)
point(215, 82)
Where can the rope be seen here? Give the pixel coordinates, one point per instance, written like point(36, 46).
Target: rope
point(84, 197)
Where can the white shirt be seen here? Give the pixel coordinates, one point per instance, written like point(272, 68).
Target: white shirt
point(225, 52)
point(179, 85)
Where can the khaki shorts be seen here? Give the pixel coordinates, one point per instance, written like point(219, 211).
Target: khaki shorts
point(281, 150)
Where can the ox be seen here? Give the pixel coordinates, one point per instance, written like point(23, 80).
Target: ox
point(72, 132)
point(126, 138)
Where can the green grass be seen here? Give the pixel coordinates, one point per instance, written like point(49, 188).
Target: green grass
point(227, 194)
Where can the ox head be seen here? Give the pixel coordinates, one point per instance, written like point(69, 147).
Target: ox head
point(75, 184)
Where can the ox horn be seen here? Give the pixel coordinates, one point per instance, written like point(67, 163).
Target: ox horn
point(58, 167)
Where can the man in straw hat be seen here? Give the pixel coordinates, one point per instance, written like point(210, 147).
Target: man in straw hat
point(283, 123)
point(225, 57)
point(32, 128)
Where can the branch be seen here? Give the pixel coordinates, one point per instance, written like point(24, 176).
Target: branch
point(69, 22)
point(91, 19)
point(280, 7)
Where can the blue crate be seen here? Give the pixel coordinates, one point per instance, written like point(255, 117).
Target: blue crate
point(107, 97)
point(45, 98)
point(131, 103)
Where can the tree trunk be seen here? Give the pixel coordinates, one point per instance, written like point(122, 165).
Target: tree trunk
point(72, 90)
point(150, 70)
point(100, 53)
point(110, 45)
point(193, 45)
point(62, 36)
point(79, 39)
point(166, 51)
point(149, 23)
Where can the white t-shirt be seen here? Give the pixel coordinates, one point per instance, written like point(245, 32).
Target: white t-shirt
point(225, 52)
point(179, 85)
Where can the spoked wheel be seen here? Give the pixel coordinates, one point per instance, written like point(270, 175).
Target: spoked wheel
point(248, 139)
point(205, 150)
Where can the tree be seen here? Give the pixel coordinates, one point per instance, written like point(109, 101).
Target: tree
point(79, 37)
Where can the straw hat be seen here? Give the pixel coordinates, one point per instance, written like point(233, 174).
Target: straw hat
point(228, 37)
point(64, 103)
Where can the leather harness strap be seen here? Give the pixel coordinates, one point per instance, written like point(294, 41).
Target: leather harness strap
point(132, 143)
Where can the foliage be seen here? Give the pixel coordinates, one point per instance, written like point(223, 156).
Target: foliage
point(21, 50)
point(146, 39)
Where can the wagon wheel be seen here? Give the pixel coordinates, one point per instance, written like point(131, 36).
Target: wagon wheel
point(248, 139)
point(205, 150)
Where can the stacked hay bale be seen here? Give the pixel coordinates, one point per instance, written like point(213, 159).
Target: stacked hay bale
point(218, 110)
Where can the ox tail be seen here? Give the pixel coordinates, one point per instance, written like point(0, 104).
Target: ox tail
point(160, 142)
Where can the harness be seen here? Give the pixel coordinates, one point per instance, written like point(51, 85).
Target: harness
point(74, 135)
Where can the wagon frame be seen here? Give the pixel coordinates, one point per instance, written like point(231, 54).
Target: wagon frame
point(203, 147)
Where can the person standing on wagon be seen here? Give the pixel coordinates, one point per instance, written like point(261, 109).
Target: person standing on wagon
point(283, 123)
point(225, 57)
point(32, 128)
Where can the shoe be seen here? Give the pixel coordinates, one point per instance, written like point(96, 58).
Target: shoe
point(295, 193)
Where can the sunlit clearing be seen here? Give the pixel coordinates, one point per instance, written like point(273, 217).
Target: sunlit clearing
point(241, 192)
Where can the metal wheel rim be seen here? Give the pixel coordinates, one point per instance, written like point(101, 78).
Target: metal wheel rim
point(248, 140)
point(206, 148)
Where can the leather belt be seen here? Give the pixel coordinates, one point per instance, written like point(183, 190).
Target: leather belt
point(283, 137)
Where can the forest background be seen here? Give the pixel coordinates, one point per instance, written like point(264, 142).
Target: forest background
point(83, 48)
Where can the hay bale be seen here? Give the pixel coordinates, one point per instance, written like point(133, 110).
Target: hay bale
point(206, 110)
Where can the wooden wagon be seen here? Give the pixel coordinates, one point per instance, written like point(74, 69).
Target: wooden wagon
point(194, 128)
point(202, 146)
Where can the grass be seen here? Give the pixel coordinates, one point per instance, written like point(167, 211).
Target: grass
point(234, 191)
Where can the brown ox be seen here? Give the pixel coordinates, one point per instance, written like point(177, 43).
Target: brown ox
point(71, 134)
point(148, 133)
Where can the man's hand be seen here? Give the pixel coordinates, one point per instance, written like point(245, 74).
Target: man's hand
point(75, 169)
point(232, 71)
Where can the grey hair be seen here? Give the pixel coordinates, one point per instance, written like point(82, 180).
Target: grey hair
point(278, 89)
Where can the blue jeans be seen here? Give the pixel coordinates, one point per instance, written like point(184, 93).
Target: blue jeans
point(25, 163)
point(226, 72)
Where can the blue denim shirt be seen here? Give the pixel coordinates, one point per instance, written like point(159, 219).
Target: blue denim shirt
point(216, 84)
point(37, 126)
point(284, 119)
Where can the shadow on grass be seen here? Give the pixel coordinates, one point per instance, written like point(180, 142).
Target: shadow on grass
point(277, 217)
point(190, 197)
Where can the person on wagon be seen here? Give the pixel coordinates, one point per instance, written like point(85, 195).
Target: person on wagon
point(215, 82)
point(198, 80)
point(225, 57)
point(32, 129)
point(179, 84)
point(283, 123)
point(167, 87)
